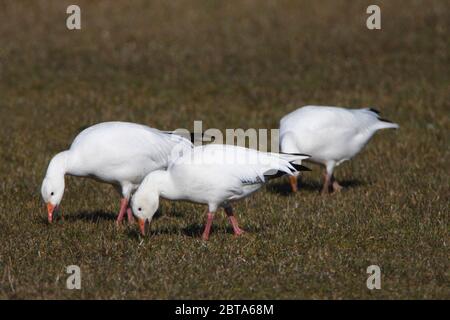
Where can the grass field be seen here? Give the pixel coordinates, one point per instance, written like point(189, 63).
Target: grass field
point(231, 64)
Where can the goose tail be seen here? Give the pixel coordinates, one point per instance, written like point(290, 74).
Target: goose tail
point(294, 157)
point(386, 124)
point(381, 123)
point(295, 161)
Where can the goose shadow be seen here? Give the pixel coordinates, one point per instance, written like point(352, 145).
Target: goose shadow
point(96, 216)
point(194, 231)
point(283, 188)
point(135, 234)
point(91, 216)
point(88, 216)
point(352, 183)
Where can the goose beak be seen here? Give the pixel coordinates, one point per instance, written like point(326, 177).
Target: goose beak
point(50, 209)
point(142, 226)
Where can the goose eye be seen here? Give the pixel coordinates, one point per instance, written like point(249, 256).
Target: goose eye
point(52, 193)
point(139, 209)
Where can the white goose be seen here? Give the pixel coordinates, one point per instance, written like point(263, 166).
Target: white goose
point(331, 135)
point(213, 175)
point(119, 153)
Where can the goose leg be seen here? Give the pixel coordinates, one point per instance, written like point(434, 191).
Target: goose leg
point(293, 182)
point(326, 184)
point(336, 186)
point(209, 220)
point(130, 215)
point(125, 190)
point(233, 221)
point(123, 208)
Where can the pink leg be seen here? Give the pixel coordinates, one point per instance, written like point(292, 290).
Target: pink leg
point(130, 215)
point(293, 181)
point(209, 220)
point(123, 208)
point(336, 186)
point(233, 221)
point(326, 184)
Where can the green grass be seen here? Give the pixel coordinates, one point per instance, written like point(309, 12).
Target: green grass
point(232, 64)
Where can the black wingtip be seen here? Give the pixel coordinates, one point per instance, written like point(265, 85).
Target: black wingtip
point(192, 136)
point(385, 120)
point(378, 115)
point(202, 137)
point(277, 174)
point(296, 154)
point(300, 167)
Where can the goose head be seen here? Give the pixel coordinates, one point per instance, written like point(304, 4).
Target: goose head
point(145, 203)
point(52, 189)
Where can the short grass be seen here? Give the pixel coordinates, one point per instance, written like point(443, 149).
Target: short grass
point(232, 64)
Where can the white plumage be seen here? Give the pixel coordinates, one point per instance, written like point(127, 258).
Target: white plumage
point(213, 175)
point(118, 153)
point(330, 135)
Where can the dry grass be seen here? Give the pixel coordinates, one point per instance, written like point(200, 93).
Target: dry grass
point(231, 64)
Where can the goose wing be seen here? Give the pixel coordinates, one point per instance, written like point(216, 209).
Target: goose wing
point(247, 165)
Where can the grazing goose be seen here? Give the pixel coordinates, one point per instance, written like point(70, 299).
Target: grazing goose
point(119, 153)
point(331, 135)
point(214, 175)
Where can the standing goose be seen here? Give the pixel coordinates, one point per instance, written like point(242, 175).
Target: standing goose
point(119, 153)
point(331, 135)
point(214, 175)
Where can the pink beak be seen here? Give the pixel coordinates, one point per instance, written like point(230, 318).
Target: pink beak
point(50, 209)
point(142, 226)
